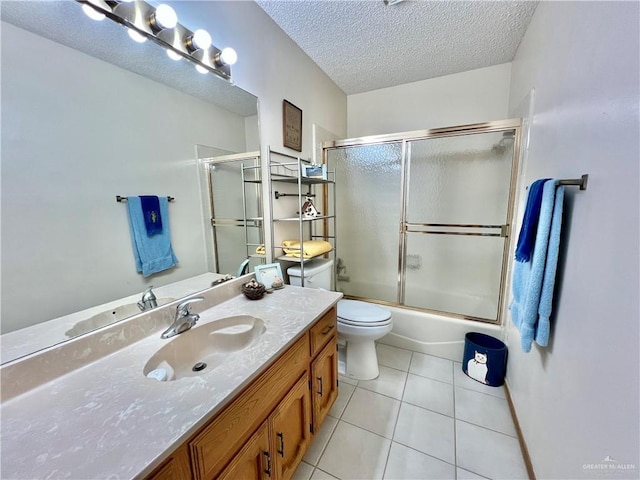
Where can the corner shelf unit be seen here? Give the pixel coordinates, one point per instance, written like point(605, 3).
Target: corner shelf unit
point(287, 169)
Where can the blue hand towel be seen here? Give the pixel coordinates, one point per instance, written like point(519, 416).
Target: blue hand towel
point(549, 280)
point(152, 254)
point(151, 213)
point(533, 281)
point(529, 227)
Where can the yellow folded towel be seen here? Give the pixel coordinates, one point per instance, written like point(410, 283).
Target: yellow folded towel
point(260, 250)
point(312, 248)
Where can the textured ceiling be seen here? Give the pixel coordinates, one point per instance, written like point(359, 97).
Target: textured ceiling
point(367, 45)
point(64, 23)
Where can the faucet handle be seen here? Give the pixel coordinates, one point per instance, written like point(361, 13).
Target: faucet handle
point(183, 307)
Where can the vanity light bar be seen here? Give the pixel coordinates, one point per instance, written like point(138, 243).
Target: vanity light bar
point(156, 25)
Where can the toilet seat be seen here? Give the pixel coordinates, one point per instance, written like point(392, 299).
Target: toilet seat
point(362, 314)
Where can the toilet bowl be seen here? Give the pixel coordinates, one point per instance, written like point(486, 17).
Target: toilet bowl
point(360, 324)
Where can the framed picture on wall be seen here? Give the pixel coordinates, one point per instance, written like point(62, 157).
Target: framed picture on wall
point(291, 126)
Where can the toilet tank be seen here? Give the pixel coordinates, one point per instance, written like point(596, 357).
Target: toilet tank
point(318, 273)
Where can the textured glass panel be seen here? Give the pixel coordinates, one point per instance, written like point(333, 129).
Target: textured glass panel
point(454, 273)
point(368, 214)
point(227, 188)
point(460, 180)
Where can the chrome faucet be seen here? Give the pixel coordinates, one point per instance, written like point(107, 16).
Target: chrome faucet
point(184, 319)
point(148, 300)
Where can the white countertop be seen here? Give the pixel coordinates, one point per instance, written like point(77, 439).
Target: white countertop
point(107, 420)
point(42, 335)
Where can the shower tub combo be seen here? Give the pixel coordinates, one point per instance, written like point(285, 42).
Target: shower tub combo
point(424, 223)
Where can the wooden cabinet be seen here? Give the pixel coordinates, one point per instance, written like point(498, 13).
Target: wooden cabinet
point(177, 467)
point(254, 460)
point(266, 429)
point(324, 381)
point(291, 429)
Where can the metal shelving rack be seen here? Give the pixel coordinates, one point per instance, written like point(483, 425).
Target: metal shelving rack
point(289, 171)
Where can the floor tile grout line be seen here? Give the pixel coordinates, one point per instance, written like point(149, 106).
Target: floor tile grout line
point(423, 453)
point(486, 428)
point(455, 429)
point(395, 426)
point(327, 444)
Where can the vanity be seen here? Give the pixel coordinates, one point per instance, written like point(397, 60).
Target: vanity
point(86, 409)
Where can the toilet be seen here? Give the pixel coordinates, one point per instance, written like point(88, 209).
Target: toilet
point(360, 324)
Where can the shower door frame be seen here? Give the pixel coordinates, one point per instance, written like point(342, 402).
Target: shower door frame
point(506, 230)
point(214, 222)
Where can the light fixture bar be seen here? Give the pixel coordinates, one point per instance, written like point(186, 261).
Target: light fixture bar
point(173, 39)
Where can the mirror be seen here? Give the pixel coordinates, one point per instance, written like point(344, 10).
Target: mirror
point(87, 114)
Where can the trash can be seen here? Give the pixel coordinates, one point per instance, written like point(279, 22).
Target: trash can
point(485, 359)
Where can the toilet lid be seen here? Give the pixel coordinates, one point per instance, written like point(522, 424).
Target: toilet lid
point(353, 312)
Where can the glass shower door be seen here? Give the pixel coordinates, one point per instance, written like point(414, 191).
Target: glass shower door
point(368, 199)
point(457, 197)
point(236, 212)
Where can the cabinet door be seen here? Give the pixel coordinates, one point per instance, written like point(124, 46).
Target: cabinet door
point(253, 462)
point(177, 467)
point(291, 429)
point(324, 381)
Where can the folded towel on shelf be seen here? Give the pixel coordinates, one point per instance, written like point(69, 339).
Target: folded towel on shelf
point(534, 281)
point(151, 213)
point(261, 250)
point(527, 236)
point(152, 254)
point(312, 248)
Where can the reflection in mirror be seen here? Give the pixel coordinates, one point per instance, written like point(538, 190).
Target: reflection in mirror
point(87, 114)
point(235, 205)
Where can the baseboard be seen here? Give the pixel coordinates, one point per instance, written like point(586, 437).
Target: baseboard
point(523, 444)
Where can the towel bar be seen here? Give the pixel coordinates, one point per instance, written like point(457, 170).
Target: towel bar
point(124, 199)
point(576, 182)
point(580, 182)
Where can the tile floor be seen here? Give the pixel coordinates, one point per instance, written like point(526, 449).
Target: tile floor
point(422, 418)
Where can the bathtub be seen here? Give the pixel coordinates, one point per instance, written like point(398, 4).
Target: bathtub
point(433, 334)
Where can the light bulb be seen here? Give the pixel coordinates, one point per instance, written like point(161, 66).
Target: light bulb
point(164, 17)
point(92, 13)
point(136, 37)
point(173, 55)
point(228, 56)
point(201, 39)
point(201, 69)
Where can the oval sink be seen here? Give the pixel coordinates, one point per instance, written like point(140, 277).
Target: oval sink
point(203, 348)
point(109, 316)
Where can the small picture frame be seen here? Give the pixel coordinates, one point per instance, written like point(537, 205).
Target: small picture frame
point(291, 126)
point(268, 274)
point(314, 171)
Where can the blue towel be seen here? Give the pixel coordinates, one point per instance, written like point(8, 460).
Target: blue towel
point(153, 254)
point(549, 280)
point(529, 227)
point(533, 282)
point(151, 213)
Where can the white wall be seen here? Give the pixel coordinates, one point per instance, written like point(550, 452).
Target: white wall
point(469, 97)
point(76, 132)
point(272, 67)
point(577, 400)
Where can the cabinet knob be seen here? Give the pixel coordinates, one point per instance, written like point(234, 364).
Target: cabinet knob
point(320, 386)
